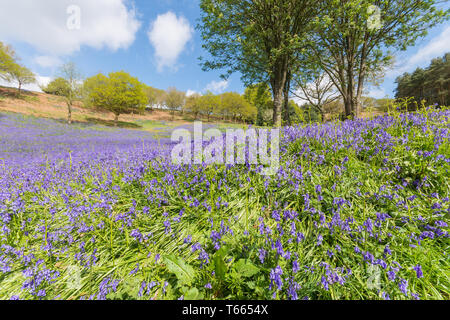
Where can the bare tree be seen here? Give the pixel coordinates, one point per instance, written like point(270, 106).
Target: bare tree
point(73, 78)
point(319, 92)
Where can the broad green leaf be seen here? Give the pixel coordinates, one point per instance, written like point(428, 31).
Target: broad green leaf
point(184, 272)
point(245, 268)
point(192, 294)
point(220, 267)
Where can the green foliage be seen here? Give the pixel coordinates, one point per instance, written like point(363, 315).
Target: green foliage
point(119, 93)
point(58, 87)
point(431, 85)
point(184, 272)
point(7, 61)
point(11, 70)
point(174, 100)
point(259, 39)
point(154, 96)
point(236, 107)
point(22, 75)
point(209, 104)
point(259, 95)
point(309, 113)
point(193, 105)
point(350, 29)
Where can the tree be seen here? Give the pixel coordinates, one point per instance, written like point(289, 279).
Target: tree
point(58, 87)
point(174, 100)
point(431, 84)
point(317, 93)
point(21, 75)
point(119, 93)
point(350, 44)
point(193, 105)
point(259, 39)
point(259, 96)
point(154, 96)
point(72, 91)
point(8, 62)
point(237, 107)
point(209, 104)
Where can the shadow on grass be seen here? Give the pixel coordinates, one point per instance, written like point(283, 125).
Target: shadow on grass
point(111, 123)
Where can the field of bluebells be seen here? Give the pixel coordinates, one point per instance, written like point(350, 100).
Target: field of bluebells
point(358, 210)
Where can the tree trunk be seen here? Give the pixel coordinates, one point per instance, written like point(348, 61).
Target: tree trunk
point(116, 120)
point(287, 87)
point(347, 106)
point(69, 112)
point(20, 87)
point(278, 82)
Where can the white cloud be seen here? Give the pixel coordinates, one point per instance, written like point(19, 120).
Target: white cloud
point(191, 92)
point(48, 61)
point(436, 47)
point(217, 86)
point(45, 24)
point(169, 35)
point(377, 93)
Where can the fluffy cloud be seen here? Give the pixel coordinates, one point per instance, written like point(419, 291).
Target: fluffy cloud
point(191, 92)
point(436, 47)
point(169, 35)
point(217, 86)
point(48, 61)
point(51, 26)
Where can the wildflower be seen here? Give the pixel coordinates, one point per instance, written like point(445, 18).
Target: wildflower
point(418, 270)
point(403, 286)
point(262, 255)
point(275, 278)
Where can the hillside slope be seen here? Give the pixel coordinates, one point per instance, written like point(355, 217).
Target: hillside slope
point(50, 106)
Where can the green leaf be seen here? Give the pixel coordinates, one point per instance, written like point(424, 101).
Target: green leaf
point(220, 267)
point(184, 272)
point(192, 294)
point(245, 268)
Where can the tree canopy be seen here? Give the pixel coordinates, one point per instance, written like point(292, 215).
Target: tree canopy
point(431, 84)
point(353, 38)
point(259, 39)
point(119, 93)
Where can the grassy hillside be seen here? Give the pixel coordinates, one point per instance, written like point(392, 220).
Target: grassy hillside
point(53, 107)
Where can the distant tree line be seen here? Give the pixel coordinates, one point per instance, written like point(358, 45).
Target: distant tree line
point(430, 85)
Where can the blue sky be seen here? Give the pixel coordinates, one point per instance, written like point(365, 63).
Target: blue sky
point(154, 40)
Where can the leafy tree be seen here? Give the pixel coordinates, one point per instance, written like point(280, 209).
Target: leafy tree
point(259, 39)
point(154, 96)
point(8, 62)
point(237, 107)
point(193, 105)
point(259, 96)
point(431, 85)
point(210, 104)
point(119, 93)
point(310, 113)
point(174, 100)
point(350, 44)
point(58, 87)
point(72, 91)
point(22, 75)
